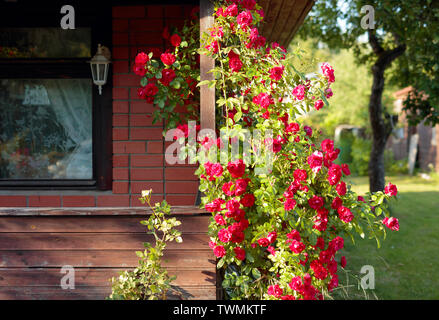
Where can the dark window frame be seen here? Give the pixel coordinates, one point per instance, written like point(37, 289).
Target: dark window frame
point(99, 19)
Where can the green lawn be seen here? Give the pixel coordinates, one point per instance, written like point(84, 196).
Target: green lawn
point(407, 264)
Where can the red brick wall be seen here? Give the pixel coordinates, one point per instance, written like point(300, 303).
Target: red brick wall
point(138, 146)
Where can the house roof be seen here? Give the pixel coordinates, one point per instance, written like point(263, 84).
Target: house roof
point(283, 18)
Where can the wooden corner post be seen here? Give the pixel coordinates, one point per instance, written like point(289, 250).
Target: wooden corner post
point(207, 95)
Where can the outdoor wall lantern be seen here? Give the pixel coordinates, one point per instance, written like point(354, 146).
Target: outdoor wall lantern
point(99, 65)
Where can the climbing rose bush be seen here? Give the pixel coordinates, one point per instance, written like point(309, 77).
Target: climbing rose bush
point(277, 235)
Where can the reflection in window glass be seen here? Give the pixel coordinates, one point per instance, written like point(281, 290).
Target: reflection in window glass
point(46, 129)
point(45, 43)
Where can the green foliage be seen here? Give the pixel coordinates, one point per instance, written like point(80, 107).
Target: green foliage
point(150, 281)
point(405, 23)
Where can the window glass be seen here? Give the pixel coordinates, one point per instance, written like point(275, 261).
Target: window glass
point(45, 43)
point(46, 129)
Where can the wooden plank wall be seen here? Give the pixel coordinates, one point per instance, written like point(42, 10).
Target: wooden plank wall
point(33, 249)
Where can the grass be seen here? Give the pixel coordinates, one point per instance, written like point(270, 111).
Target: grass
point(407, 264)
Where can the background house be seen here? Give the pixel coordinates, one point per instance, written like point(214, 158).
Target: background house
point(73, 200)
point(422, 140)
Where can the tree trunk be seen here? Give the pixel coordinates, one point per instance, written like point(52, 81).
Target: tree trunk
point(380, 131)
point(381, 127)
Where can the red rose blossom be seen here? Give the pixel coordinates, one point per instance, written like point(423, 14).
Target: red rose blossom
point(167, 58)
point(219, 251)
point(390, 190)
point(240, 253)
point(175, 40)
point(236, 168)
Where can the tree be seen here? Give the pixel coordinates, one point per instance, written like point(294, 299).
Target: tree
point(380, 33)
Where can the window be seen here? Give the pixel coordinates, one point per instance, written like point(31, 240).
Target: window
point(55, 129)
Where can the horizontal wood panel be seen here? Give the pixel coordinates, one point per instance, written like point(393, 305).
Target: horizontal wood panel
point(103, 259)
point(122, 211)
point(92, 241)
point(189, 224)
point(21, 277)
point(85, 293)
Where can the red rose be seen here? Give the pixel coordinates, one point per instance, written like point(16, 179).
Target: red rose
point(327, 145)
point(219, 219)
point(293, 127)
point(345, 169)
point(272, 236)
point(297, 246)
point(299, 92)
point(236, 168)
point(316, 202)
point(276, 73)
point(231, 10)
point(334, 174)
point(300, 175)
point(167, 58)
point(240, 186)
point(318, 104)
point(228, 188)
point(336, 203)
point(235, 64)
point(224, 235)
point(233, 206)
point(308, 131)
point(391, 223)
point(319, 271)
point(214, 206)
point(244, 19)
point(274, 291)
point(328, 72)
point(390, 190)
point(141, 59)
point(219, 251)
point(315, 161)
point(248, 4)
point(289, 204)
point(151, 89)
point(175, 40)
point(264, 100)
point(248, 200)
point(341, 188)
point(167, 76)
point(139, 69)
point(294, 235)
point(336, 244)
point(263, 242)
point(345, 214)
point(343, 262)
point(240, 253)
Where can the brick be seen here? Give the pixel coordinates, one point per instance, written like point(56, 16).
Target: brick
point(146, 38)
point(178, 23)
point(121, 53)
point(120, 25)
point(181, 187)
point(154, 11)
point(120, 161)
point(12, 201)
point(113, 201)
point(180, 174)
point(120, 93)
point(120, 120)
point(120, 133)
point(120, 38)
point(120, 187)
point(44, 201)
point(129, 12)
point(137, 187)
point(154, 147)
point(121, 107)
point(147, 160)
point(129, 147)
point(174, 11)
point(146, 174)
point(121, 66)
point(141, 106)
point(126, 80)
point(146, 133)
point(120, 173)
point(181, 200)
point(136, 203)
point(146, 25)
point(78, 201)
point(143, 120)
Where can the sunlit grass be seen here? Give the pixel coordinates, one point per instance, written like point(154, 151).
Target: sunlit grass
point(407, 264)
